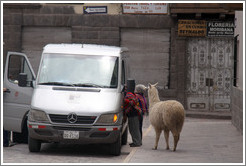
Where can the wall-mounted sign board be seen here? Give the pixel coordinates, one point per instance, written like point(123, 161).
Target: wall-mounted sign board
point(202, 28)
point(192, 28)
point(95, 9)
point(219, 28)
point(145, 8)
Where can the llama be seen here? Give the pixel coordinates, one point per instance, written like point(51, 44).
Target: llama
point(165, 115)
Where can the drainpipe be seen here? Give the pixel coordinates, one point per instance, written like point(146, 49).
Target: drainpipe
point(235, 61)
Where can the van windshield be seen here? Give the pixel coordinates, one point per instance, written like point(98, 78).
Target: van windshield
point(79, 70)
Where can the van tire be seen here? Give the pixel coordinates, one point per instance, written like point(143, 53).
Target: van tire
point(115, 148)
point(23, 136)
point(34, 145)
point(125, 136)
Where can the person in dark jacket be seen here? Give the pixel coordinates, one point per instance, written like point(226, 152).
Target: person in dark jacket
point(139, 91)
point(133, 112)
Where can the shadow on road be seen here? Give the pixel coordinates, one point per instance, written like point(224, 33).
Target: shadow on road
point(60, 149)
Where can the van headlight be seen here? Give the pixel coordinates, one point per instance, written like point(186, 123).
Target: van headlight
point(108, 119)
point(37, 116)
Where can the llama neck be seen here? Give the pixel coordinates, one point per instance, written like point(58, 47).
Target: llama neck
point(153, 99)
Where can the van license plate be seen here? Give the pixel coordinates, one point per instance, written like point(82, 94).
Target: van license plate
point(71, 135)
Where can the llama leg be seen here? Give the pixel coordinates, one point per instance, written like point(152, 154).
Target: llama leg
point(157, 137)
point(166, 134)
point(176, 139)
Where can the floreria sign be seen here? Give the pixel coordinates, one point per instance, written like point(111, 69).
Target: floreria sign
point(216, 28)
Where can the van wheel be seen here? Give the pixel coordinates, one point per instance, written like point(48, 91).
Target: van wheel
point(125, 136)
point(34, 145)
point(115, 148)
point(23, 136)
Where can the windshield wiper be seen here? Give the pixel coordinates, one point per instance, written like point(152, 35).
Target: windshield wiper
point(88, 85)
point(56, 83)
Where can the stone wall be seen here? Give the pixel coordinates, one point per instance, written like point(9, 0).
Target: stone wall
point(98, 29)
point(12, 22)
point(237, 108)
point(177, 68)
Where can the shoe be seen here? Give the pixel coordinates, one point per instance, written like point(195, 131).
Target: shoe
point(131, 144)
point(12, 144)
point(134, 145)
point(9, 145)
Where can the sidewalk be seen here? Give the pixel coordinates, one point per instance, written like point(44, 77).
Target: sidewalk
point(208, 115)
point(201, 141)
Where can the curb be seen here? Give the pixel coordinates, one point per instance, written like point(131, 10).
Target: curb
point(209, 115)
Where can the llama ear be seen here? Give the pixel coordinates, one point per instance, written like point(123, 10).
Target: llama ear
point(149, 86)
point(155, 84)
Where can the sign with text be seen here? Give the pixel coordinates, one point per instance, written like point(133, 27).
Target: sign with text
point(218, 28)
point(95, 9)
point(195, 28)
point(145, 8)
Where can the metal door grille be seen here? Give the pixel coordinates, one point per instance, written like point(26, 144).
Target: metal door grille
point(210, 69)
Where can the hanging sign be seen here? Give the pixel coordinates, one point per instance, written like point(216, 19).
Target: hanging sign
point(219, 28)
point(145, 8)
point(194, 28)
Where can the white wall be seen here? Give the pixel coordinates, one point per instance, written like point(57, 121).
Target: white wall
point(239, 31)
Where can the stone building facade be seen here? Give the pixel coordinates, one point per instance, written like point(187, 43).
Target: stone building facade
point(237, 89)
point(19, 19)
point(56, 23)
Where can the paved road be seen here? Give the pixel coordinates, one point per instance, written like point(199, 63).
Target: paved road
point(201, 141)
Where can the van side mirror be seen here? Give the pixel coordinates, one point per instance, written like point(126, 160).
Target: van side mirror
point(22, 80)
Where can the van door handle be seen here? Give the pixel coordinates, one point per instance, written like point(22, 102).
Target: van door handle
point(6, 91)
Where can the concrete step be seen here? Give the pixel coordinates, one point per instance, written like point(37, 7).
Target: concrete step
point(208, 115)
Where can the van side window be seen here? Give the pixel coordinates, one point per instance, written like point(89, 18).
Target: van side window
point(123, 73)
point(114, 79)
point(18, 64)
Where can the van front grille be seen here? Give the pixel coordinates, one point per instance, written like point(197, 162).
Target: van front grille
point(64, 119)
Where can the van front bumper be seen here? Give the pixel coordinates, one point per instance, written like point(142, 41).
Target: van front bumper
point(87, 134)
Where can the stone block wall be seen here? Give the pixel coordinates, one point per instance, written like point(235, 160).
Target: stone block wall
point(237, 108)
point(178, 66)
point(12, 22)
point(98, 29)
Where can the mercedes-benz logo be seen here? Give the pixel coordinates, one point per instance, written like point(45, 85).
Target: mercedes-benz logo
point(72, 118)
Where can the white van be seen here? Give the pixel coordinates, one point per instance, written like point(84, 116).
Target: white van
point(77, 96)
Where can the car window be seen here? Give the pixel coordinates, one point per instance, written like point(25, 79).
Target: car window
point(17, 65)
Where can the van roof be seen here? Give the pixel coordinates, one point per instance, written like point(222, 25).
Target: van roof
point(86, 49)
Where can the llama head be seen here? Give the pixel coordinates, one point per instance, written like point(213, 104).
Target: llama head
point(140, 88)
point(153, 92)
